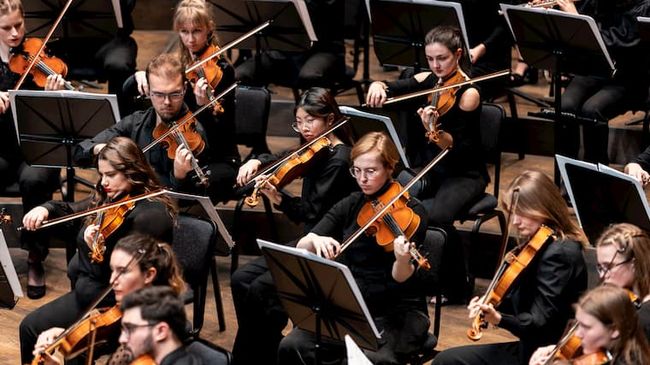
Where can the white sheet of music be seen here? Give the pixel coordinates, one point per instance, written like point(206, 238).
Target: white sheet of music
point(355, 355)
point(118, 13)
point(8, 267)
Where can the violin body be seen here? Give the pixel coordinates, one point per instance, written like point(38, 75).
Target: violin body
point(442, 102)
point(109, 221)
point(44, 67)
point(508, 273)
point(597, 358)
point(191, 136)
point(209, 70)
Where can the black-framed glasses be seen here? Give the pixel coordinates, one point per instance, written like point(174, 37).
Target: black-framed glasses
point(175, 96)
point(128, 328)
point(604, 269)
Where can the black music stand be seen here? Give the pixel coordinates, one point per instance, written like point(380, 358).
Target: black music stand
point(603, 196)
point(92, 18)
point(50, 123)
point(290, 29)
point(398, 28)
point(320, 296)
point(560, 42)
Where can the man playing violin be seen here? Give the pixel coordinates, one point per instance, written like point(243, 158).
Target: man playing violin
point(36, 184)
point(389, 281)
point(167, 89)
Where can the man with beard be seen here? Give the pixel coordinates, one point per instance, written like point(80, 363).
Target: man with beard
point(153, 324)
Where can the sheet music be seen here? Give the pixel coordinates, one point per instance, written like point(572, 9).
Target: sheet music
point(118, 13)
point(590, 21)
point(355, 355)
point(306, 20)
point(8, 267)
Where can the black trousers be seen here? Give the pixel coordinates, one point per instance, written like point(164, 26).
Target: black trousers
point(260, 315)
point(508, 353)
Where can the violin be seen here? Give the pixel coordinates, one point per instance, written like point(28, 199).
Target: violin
point(442, 102)
point(597, 358)
point(210, 71)
point(293, 165)
point(44, 66)
point(81, 335)
point(507, 274)
point(108, 221)
point(399, 220)
point(145, 359)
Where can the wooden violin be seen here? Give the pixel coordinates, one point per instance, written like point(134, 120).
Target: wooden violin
point(509, 271)
point(210, 71)
point(293, 165)
point(597, 358)
point(442, 102)
point(45, 65)
point(108, 221)
point(399, 220)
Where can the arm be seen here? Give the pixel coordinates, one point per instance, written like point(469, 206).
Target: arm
point(84, 152)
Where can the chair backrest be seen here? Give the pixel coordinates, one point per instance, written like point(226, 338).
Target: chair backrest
point(209, 352)
point(193, 243)
point(252, 117)
point(492, 117)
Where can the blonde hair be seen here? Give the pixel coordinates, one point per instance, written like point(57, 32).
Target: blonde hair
point(166, 65)
point(539, 198)
point(631, 243)
point(196, 12)
point(380, 142)
point(9, 6)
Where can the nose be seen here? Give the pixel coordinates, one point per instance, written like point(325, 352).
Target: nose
point(123, 338)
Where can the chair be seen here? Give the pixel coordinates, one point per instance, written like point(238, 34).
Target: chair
point(484, 208)
point(209, 352)
point(251, 120)
point(194, 241)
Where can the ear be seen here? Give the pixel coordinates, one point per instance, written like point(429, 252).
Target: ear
point(161, 332)
point(615, 334)
point(458, 53)
point(330, 119)
point(150, 275)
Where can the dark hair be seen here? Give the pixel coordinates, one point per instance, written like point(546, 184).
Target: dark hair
point(446, 35)
point(318, 102)
point(159, 304)
point(157, 255)
point(126, 157)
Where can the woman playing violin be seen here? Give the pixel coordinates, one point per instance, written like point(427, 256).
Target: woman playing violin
point(388, 280)
point(123, 171)
point(158, 266)
point(261, 317)
point(609, 330)
point(36, 184)
point(537, 305)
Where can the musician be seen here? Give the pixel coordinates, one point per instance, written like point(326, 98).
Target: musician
point(123, 171)
point(602, 98)
point(538, 305)
point(167, 88)
point(154, 324)
point(260, 315)
point(461, 177)
point(387, 280)
point(607, 323)
point(323, 63)
point(158, 266)
point(194, 23)
point(36, 184)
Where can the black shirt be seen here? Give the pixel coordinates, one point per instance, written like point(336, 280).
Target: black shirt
point(181, 356)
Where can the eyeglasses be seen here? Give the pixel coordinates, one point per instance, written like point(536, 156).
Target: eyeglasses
point(604, 269)
point(297, 125)
point(369, 173)
point(175, 96)
point(128, 328)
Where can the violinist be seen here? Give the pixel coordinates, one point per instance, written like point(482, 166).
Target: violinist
point(158, 266)
point(387, 280)
point(608, 328)
point(194, 23)
point(36, 184)
point(537, 306)
point(260, 315)
point(154, 324)
point(123, 171)
point(602, 98)
point(461, 177)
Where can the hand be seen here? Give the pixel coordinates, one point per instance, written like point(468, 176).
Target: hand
point(46, 338)
point(182, 162)
point(34, 218)
point(376, 96)
point(89, 234)
point(320, 245)
point(4, 102)
point(201, 91)
point(269, 190)
point(426, 114)
point(54, 82)
point(401, 248)
point(141, 81)
point(541, 355)
point(636, 171)
point(477, 52)
point(247, 171)
point(490, 314)
point(568, 6)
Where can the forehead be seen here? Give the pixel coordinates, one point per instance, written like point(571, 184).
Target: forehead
point(11, 18)
point(605, 253)
point(436, 49)
point(162, 82)
point(104, 166)
point(132, 315)
point(369, 159)
point(120, 258)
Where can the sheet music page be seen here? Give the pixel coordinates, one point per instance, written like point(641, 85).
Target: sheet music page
point(590, 21)
point(8, 267)
point(459, 14)
point(621, 175)
point(306, 20)
point(562, 161)
point(355, 355)
point(118, 13)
